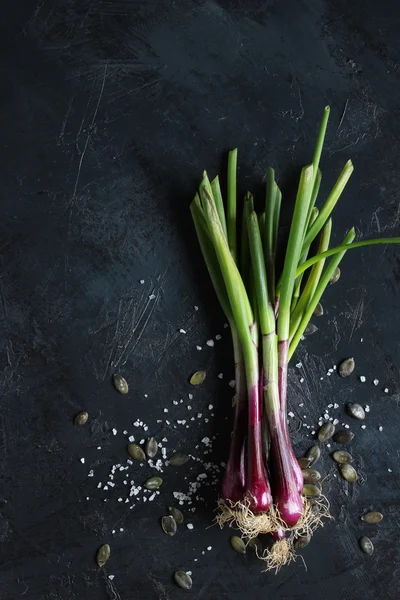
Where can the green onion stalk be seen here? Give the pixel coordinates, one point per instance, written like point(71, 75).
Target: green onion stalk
point(268, 312)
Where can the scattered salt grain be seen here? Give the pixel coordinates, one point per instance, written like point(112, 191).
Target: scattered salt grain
point(380, 428)
point(189, 525)
point(209, 548)
point(363, 379)
point(363, 427)
point(114, 431)
point(299, 365)
point(335, 421)
point(367, 409)
point(83, 461)
point(386, 390)
point(111, 577)
point(199, 348)
point(91, 473)
point(189, 407)
point(291, 414)
point(196, 308)
point(98, 447)
point(190, 396)
point(232, 383)
point(221, 375)
point(336, 405)
point(301, 379)
point(141, 281)
point(218, 337)
point(182, 331)
point(165, 410)
point(152, 296)
point(390, 470)
point(210, 407)
point(210, 343)
point(131, 438)
point(376, 381)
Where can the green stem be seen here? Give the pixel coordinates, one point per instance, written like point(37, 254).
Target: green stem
point(270, 202)
point(293, 251)
point(265, 310)
point(314, 259)
point(297, 286)
point(324, 282)
point(277, 212)
point(219, 203)
point(210, 258)
point(329, 205)
point(312, 281)
point(231, 204)
point(317, 155)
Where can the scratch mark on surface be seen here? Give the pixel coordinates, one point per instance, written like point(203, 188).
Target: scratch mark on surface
point(62, 131)
point(92, 124)
point(343, 115)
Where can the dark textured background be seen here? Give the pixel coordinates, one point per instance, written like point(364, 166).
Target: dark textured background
point(110, 110)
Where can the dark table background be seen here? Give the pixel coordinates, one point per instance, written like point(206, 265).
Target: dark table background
point(110, 110)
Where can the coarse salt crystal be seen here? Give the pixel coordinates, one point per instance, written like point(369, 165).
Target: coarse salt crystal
point(232, 383)
point(291, 414)
point(114, 431)
point(182, 331)
point(209, 548)
point(336, 405)
point(367, 409)
point(98, 447)
point(91, 473)
point(199, 348)
point(335, 421)
point(380, 428)
point(190, 396)
point(221, 375)
point(196, 308)
point(363, 379)
point(210, 343)
point(83, 461)
point(210, 407)
point(376, 381)
point(131, 438)
point(218, 336)
point(386, 390)
point(152, 296)
point(390, 470)
point(141, 281)
point(165, 410)
point(301, 379)
point(363, 427)
point(111, 577)
point(189, 525)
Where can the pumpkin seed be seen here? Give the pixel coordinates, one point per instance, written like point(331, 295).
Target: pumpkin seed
point(319, 310)
point(336, 276)
point(356, 411)
point(326, 431)
point(304, 462)
point(313, 454)
point(197, 378)
point(151, 447)
point(348, 472)
point(177, 460)
point(302, 541)
point(310, 329)
point(311, 490)
point(372, 517)
point(311, 475)
point(342, 457)
point(81, 418)
point(343, 437)
point(256, 545)
point(103, 554)
point(120, 384)
point(136, 452)
point(238, 544)
point(168, 525)
point(366, 545)
point(174, 512)
point(153, 483)
point(183, 580)
point(346, 367)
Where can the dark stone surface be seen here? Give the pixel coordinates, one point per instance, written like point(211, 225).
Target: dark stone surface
point(110, 110)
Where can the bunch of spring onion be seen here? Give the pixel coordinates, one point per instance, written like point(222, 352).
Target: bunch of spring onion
point(268, 312)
